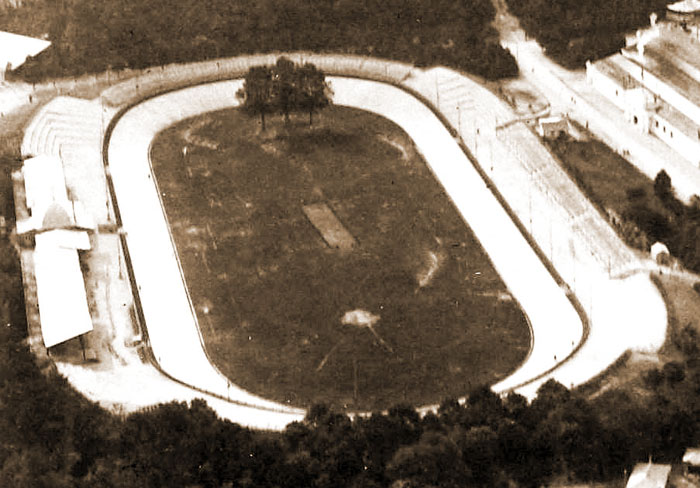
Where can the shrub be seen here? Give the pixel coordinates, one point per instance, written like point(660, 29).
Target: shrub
point(637, 193)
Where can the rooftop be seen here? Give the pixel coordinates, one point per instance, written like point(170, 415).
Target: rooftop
point(656, 61)
point(685, 6)
point(609, 67)
point(60, 288)
point(16, 49)
point(649, 475)
point(692, 456)
point(678, 120)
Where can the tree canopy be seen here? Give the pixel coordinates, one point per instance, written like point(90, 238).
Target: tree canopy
point(573, 31)
point(284, 88)
point(90, 36)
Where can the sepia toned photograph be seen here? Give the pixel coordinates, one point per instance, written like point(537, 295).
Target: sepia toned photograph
point(350, 243)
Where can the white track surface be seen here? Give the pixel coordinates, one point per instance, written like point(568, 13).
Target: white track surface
point(170, 318)
point(623, 313)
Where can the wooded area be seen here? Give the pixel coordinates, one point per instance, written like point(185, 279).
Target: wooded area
point(573, 31)
point(90, 36)
point(52, 436)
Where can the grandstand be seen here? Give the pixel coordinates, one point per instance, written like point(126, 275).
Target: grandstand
point(71, 129)
point(60, 288)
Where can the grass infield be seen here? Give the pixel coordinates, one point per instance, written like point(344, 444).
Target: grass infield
point(271, 293)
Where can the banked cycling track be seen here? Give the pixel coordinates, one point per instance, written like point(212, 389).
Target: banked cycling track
point(558, 326)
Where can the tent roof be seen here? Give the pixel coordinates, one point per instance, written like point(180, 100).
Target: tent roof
point(16, 49)
point(63, 306)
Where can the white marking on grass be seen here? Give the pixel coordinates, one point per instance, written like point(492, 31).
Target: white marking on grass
point(396, 145)
point(328, 355)
point(363, 318)
point(434, 261)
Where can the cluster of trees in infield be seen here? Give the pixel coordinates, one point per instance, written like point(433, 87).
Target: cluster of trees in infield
point(89, 36)
point(573, 31)
point(284, 88)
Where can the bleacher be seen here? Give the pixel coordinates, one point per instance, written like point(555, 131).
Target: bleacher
point(71, 129)
point(566, 199)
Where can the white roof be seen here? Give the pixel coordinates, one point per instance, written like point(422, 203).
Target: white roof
point(16, 49)
point(83, 218)
point(63, 306)
point(46, 195)
point(44, 182)
point(692, 456)
point(658, 247)
point(685, 6)
point(67, 239)
point(648, 475)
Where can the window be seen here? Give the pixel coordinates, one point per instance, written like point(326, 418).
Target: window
point(635, 119)
point(657, 124)
point(671, 132)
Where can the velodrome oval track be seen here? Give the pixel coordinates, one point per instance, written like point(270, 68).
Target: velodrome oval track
point(170, 318)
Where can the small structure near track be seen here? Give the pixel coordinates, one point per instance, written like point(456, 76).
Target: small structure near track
point(660, 254)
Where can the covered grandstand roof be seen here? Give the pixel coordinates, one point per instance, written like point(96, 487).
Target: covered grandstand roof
point(60, 287)
point(16, 49)
point(56, 217)
point(46, 195)
point(63, 306)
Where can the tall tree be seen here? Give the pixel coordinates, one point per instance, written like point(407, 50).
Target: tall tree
point(314, 92)
point(662, 185)
point(285, 87)
point(256, 93)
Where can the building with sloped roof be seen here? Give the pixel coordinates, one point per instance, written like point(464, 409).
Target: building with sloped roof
point(691, 460)
point(649, 475)
point(655, 81)
point(61, 297)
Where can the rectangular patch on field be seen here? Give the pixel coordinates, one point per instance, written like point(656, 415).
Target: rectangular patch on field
point(332, 230)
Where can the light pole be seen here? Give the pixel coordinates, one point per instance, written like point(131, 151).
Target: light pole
point(459, 120)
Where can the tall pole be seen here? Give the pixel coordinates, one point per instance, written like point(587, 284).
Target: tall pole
point(437, 92)
point(459, 121)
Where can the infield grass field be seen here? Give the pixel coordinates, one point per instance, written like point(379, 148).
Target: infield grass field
point(282, 232)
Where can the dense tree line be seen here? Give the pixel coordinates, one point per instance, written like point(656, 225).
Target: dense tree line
point(661, 216)
point(90, 36)
point(53, 437)
point(573, 31)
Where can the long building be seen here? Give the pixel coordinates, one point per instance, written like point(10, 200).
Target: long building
point(48, 226)
point(655, 81)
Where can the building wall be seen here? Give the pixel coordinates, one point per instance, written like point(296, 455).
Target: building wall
point(684, 145)
point(608, 87)
point(662, 89)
